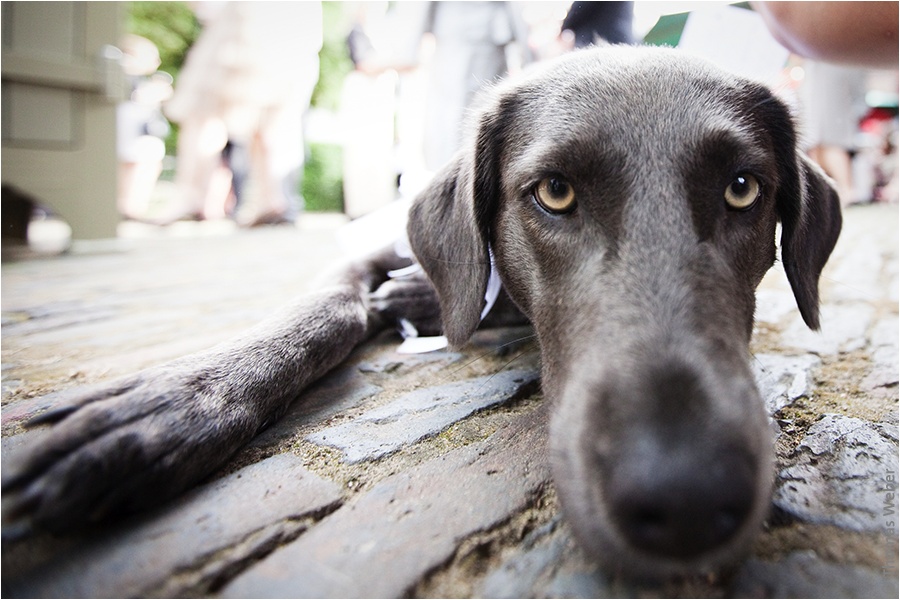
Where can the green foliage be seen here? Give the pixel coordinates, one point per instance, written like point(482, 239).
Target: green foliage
point(323, 183)
point(172, 26)
point(334, 58)
point(323, 178)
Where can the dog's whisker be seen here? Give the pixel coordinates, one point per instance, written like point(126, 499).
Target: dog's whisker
point(502, 368)
point(869, 297)
point(765, 101)
point(448, 377)
point(492, 351)
point(453, 262)
point(757, 361)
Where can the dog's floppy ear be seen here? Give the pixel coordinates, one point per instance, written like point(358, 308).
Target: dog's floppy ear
point(811, 223)
point(810, 214)
point(446, 240)
point(449, 230)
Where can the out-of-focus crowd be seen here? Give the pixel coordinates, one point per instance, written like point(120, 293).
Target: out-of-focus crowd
point(241, 103)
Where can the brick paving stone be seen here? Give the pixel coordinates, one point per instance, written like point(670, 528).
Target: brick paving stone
point(883, 375)
point(383, 543)
point(577, 584)
point(839, 474)
point(773, 305)
point(804, 575)
point(422, 413)
point(191, 542)
point(391, 362)
point(549, 564)
point(29, 407)
point(338, 391)
point(8, 385)
point(892, 277)
point(857, 274)
point(89, 317)
point(889, 429)
point(844, 328)
point(520, 575)
point(782, 379)
point(59, 315)
point(885, 332)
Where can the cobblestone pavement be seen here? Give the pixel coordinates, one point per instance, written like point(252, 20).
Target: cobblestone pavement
point(426, 475)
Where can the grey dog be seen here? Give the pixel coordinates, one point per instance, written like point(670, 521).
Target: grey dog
point(628, 199)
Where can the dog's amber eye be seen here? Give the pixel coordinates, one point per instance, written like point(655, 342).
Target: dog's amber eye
point(555, 195)
point(742, 192)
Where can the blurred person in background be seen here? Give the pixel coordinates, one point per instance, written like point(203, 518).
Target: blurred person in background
point(833, 98)
point(472, 49)
point(245, 85)
point(862, 34)
point(368, 108)
point(839, 40)
point(588, 23)
point(436, 57)
point(475, 44)
point(140, 126)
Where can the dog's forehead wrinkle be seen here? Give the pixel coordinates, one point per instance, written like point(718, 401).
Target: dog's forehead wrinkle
point(579, 121)
point(641, 86)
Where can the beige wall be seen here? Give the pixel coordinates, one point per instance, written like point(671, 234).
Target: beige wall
point(59, 107)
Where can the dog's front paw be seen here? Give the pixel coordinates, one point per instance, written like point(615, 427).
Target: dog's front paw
point(123, 446)
point(411, 298)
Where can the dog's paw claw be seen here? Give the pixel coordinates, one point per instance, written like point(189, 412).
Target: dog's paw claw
point(53, 415)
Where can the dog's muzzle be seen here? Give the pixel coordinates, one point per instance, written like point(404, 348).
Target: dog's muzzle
point(663, 462)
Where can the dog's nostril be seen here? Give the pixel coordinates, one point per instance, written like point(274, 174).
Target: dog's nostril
point(679, 530)
point(680, 514)
point(648, 527)
point(727, 521)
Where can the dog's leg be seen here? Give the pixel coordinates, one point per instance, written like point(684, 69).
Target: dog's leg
point(129, 444)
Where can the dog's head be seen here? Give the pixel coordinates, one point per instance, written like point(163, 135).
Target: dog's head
point(630, 198)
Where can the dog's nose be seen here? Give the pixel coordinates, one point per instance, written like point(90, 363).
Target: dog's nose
point(680, 510)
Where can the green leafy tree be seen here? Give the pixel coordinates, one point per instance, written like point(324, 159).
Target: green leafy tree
point(172, 26)
point(334, 58)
